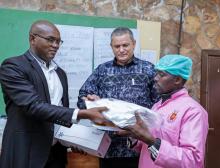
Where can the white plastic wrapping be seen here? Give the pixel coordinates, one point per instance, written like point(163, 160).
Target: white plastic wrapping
point(122, 113)
point(2, 127)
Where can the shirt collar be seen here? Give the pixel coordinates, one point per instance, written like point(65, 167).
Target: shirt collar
point(173, 94)
point(133, 61)
point(42, 63)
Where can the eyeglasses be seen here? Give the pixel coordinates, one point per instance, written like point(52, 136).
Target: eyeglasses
point(50, 40)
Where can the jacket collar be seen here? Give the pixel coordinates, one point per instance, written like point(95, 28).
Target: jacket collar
point(37, 67)
point(173, 95)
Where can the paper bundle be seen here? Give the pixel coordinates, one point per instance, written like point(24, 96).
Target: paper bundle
point(122, 113)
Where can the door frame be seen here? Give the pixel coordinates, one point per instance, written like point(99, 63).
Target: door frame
point(204, 75)
point(204, 84)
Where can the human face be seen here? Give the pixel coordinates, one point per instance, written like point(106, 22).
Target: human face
point(46, 43)
point(123, 48)
point(165, 82)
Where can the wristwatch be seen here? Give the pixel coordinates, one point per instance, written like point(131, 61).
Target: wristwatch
point(154, 149)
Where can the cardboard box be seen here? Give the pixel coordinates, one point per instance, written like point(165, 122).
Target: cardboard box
point(89, 139)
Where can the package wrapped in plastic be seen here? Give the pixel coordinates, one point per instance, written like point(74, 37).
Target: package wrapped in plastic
point(122, 113)
point(3, 120)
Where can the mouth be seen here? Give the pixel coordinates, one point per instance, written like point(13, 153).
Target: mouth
point(123, 55)
point(53, 52)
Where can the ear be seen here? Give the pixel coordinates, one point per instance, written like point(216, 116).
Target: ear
point(134, 43)
point(178, 80)
point(31, 39)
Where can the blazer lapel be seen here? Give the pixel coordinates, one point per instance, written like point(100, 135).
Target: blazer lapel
point(63, 81)
point(37, 67)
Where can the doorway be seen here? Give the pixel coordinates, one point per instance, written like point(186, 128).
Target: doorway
point(210, 99)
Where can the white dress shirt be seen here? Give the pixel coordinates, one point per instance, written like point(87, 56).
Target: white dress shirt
point(55, 87)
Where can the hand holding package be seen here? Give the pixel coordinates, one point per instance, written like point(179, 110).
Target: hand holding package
point(122, 113)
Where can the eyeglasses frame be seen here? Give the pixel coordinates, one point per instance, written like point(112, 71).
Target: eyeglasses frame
point(50, 40)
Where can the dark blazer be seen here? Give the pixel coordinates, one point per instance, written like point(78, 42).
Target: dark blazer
point(29, 129)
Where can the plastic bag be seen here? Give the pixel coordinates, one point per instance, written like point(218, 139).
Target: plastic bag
point(122, 113)
point(2, 127)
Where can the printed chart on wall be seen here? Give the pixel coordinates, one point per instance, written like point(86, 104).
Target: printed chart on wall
point(75, 57)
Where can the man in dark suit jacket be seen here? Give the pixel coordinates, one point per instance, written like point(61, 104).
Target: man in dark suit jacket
point(36, 95)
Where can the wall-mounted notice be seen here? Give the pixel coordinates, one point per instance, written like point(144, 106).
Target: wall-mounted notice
point(75, 56)
point(102, 48)
point(149, 40)
point(149, 55)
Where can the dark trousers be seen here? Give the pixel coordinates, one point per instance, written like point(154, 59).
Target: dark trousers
point(119, 162)
point(57, 157)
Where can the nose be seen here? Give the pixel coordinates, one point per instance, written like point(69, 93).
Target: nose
point(156, 78)
point(121, 49)
point(55, 44)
